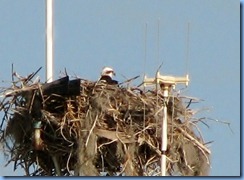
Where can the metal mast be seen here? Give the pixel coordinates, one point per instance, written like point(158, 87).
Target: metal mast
point(49, 40)
point(49, 60)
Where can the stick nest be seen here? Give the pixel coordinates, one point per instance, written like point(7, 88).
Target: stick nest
point(103, 128)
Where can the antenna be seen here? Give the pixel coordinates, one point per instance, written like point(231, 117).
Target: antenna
point(145, 48)
point(166, 83)
point(158, 39)
point(187, 47)
point(145, 59)
point(49, 40)
point(158, 71)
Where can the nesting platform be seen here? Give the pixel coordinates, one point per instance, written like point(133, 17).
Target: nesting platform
point(80, 127)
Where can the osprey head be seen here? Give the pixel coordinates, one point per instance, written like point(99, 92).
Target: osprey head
point(108, 71)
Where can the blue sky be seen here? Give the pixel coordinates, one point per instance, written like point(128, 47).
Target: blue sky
point(96, 33)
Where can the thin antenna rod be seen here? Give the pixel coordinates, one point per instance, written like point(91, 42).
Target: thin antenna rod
point(187, 46)
point(145, 49)
point(157, 86)
point(145, 59)
point(158, 39)
point(49, 40)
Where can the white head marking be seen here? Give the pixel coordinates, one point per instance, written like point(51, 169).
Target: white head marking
point(108, 71)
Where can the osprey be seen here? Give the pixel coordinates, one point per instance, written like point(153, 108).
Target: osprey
point(106, 76)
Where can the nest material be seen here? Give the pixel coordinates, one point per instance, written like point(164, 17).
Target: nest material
point(100, 128)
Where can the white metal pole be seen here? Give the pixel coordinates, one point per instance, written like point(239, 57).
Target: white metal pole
point(164, 131)
point(49, 59)
point(49, 40)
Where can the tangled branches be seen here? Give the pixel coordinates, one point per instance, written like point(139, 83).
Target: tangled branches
point(79, 127)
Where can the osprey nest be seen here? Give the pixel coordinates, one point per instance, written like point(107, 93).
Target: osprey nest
point(78, 127)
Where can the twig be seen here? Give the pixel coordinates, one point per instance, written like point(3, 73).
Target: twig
point(194, 140)
point(93, 126)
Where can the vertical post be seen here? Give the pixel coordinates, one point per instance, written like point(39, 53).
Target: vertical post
point(164, 130)
point(49, 60)
point(49, 40)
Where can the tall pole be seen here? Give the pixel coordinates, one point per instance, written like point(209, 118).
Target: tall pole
point(49, 40)
point(49, 60)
